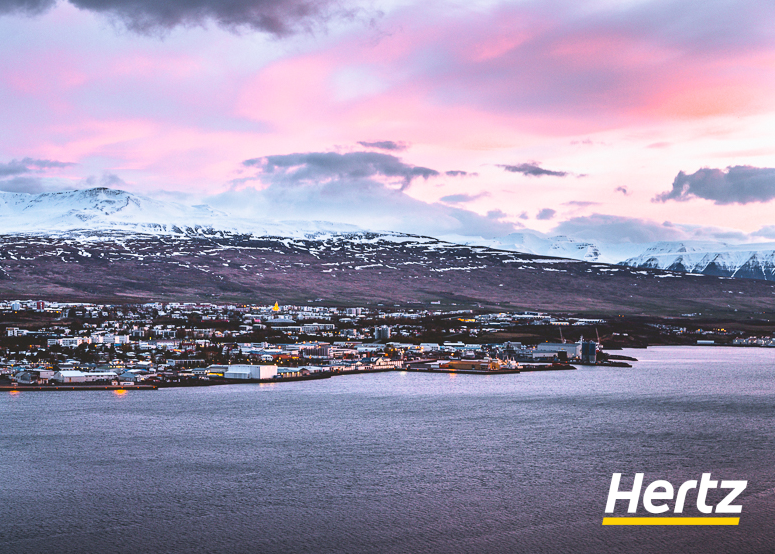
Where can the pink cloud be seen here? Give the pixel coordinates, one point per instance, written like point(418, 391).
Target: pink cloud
point(550, 73)
point(178, 114)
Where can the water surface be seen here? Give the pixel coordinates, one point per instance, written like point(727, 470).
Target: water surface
point(391, 462)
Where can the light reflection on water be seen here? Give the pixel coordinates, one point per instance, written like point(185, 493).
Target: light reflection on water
point(391, 462)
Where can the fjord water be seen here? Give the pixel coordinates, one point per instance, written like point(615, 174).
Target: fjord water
point(392, 462)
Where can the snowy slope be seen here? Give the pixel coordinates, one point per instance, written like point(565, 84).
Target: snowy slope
point(560, 246)
point(752, 261)
point(103, 209)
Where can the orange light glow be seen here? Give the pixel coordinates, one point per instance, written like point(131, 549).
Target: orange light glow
point(15, 392)
point(119, 392)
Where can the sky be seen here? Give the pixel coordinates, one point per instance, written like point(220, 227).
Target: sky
point(627, 121)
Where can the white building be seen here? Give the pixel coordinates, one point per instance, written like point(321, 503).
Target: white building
point(245, 371)
point(545, 349)
point(69, 376)
point(97, 376)
point(70, 342)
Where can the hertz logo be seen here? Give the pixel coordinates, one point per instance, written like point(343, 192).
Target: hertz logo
point(658, 494)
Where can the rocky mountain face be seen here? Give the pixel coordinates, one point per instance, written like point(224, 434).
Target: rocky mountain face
point(740, 261)
point(750, 261)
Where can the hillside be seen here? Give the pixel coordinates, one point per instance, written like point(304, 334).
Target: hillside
point(112, 245)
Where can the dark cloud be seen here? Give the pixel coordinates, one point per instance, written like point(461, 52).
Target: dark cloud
point(618, 229)
point(740, 184)
point(458, 173)
point(29, 7)
point(532, 169)
point(29, 185)
point(22, 175)
point(546, 213)
point(623, 190)
point(524, 215)
point(314, 167)
point(277, 17)
point(460, 198)
point(385, 145)
point(768, 232)
point(107, 180)
point(29, 165)
point(580, 203)
point(497, 214)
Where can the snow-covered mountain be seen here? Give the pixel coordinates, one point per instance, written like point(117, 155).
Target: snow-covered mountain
point(99, 212)
point(117, 246)
point(103, 209)
point(561, 246)
point(751, 261)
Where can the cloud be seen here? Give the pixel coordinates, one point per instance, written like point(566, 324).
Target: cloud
point(29, 165)
point(618, 229)
point(385, 145)
point(580, 203)
point(623, 190)
point(354, 188)
point(545, 214)
point(29, 7)
point(459, 173)
point(532, 169)
point(315, 167)
point(25, 175)
point(524, 215)
point(276, 17)
point(460, 198)
point(107, 180)
point(29, 185)
point(768, 232)
point(740, 184)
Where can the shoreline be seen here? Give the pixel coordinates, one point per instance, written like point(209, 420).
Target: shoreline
point(312, 377)
point(36, 388)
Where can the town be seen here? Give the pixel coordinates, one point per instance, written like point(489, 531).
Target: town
point(180, 343)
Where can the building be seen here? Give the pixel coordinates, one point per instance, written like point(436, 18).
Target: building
point(101, 376)
point(34, 376)
point(589, 352)
point(69, 376)
point(562, 350)
point(245, 371)
point(69, 342)
point(382, 332)
point(292, 371)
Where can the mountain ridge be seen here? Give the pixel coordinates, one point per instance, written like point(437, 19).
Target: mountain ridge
point(107, 244)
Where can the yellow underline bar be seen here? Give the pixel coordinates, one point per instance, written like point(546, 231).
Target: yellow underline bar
point(671, 520)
